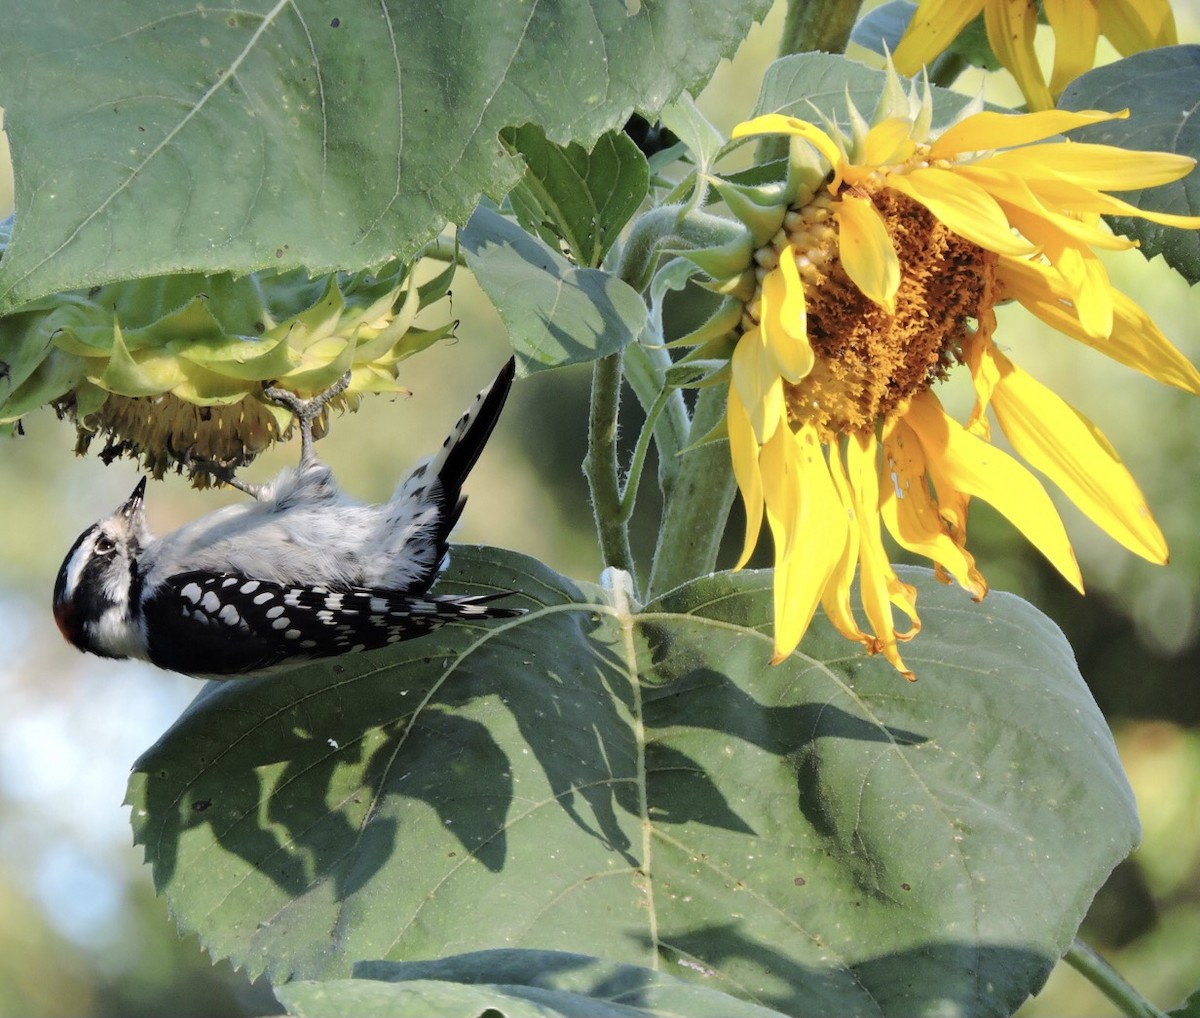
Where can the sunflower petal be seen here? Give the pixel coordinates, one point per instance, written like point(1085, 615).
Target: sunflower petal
point(1135, 340)
point(1026, 210)
point(809, 524)
point(1087, 282)
point(1053, 437)
point(1101, 167)
point(879, 586)
point(981, 470)
point(910, 514)
point(888, 142)
point(777, 123)
point(968, 209)
point(984, 377)
point(1063, 193)
point(758, 384)
point(743, 450)
point(785, 319)
point(933, 27)
point(983, 132)
point(866, 250)
point(1136, 25)
point(1076, 28)
point(836, 597)
point(1011, 26)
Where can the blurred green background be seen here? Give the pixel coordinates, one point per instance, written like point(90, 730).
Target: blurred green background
point(81, 932)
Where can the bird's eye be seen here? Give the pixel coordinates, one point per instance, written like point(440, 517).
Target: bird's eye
point(105, 544)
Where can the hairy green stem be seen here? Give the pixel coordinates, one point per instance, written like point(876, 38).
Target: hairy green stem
point(823, 25)
point(695, 515)
point(638, 462)
point(820, 25)
point(646, 372)
point(1109, 981)
point(600, 465)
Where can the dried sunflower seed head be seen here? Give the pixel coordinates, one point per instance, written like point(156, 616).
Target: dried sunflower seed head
point(171, 370)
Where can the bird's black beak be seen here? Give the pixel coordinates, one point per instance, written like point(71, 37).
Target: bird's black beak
point(133, 505)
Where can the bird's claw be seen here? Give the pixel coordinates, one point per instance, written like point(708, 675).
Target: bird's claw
point(307, 410)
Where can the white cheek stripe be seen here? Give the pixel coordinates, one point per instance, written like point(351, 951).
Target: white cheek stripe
point(76, 564)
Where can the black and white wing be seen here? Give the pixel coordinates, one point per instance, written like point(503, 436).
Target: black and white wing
point(259, 625)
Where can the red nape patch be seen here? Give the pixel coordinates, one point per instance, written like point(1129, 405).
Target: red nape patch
point(67, 620)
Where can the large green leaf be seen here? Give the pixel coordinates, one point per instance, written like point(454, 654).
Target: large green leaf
point(555, 312)
point(520, 984)
point(152, 136)
point(819, 837)
point(1161, 90)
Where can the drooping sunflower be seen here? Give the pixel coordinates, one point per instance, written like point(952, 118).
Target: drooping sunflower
point(171, 370)
point(1130, 25)
point(881, 280)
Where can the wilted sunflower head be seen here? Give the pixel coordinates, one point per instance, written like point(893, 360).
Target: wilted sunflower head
point(172, 370)
point(880, 279)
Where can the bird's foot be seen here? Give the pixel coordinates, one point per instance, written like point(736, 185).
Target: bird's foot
point(307, 410)
point(225, 475)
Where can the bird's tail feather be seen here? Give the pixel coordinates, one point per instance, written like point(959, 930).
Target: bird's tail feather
point(462, 448)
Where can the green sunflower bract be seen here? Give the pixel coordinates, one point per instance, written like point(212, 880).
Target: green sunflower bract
point(171, 370)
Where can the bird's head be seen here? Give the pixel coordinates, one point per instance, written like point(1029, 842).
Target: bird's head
point(98, 583)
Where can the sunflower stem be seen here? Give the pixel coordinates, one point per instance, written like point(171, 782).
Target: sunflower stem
point(1109, 981)
point(600, 465)
point(820, 25)
point(697, 508)
point(638, 462)
point(646, 372)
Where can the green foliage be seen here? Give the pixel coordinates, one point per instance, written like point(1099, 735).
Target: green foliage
point(579, 197)
point(1190, 1008)
point(525, 984)
point(794, 85)
point(555, 313)
point(294, 135)
point(642, 785)
point(1159, 88)
point(601, 808)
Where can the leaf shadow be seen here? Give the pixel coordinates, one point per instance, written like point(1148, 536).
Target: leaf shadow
point(587, 726)
point(939, 977)
point(302, 788)
point(699, 696)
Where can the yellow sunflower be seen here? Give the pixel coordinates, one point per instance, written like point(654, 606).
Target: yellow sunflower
point(1130, 25)
point(882, 279)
